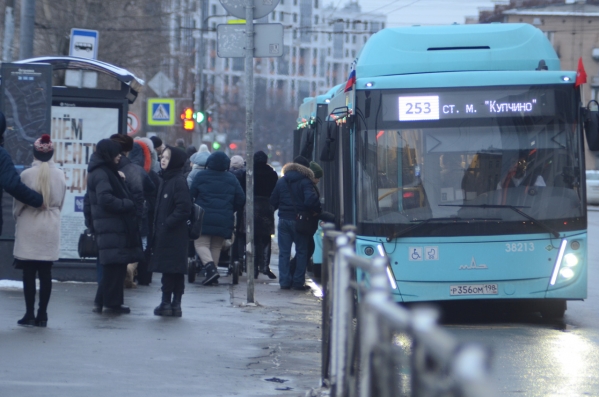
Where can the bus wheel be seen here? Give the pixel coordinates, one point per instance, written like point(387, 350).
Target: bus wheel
point(553, 309)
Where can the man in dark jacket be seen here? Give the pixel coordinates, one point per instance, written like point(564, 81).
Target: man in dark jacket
point(219, 193)
point(10, 180)
point(265, 180)
point(169, 243)
point(293, 194)
point(140, 186)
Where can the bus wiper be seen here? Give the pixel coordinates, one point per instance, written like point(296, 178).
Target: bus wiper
point(397, 234)
point(513, 208)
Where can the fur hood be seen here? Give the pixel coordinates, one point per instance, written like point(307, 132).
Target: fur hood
point(155, 165)
point(304, 171)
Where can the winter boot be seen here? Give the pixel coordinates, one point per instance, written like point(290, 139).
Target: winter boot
point(270, 274)
point(28, 320)
point(211, 273)
point(177, 312)
point(165, 308)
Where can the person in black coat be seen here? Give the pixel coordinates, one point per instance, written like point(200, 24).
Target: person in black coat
point(294, 193)
point(140, 186)
point(110, 213)
point(219, 193)
point(265, 180)
point(169, 243)
point(10, 180)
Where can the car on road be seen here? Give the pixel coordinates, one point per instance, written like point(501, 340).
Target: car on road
point(592, 187)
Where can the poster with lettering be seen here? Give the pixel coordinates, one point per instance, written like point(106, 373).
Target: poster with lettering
point(75, 133)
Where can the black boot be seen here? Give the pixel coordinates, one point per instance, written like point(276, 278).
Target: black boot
point(270, 274)
point(176, 305)
point(165, 308)
point(42, 319)
point(28, 320)
point(211, 273)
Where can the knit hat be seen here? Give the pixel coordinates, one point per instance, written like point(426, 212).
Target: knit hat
point(260, 157)
point(156, 141)
point(316, 169)
point(125, 141)
point(43, 149)
point(237, 162)
point(203, 148)
point(301, 160)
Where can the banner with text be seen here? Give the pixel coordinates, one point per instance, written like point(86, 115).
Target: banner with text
point(75, 133)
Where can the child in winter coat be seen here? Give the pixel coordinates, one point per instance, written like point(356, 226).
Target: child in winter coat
point(170, 239)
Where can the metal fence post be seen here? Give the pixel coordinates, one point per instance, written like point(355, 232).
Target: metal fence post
point(327, 246)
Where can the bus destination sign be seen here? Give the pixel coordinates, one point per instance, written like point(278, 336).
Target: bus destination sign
point(516, 102)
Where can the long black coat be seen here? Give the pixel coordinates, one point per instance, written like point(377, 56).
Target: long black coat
point(265, 180)
point(173, 208)
point(111, 216)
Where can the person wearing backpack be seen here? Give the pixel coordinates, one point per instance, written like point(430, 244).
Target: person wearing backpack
point(171, 235)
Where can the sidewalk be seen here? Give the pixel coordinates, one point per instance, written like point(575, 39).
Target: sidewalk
point(220, 347)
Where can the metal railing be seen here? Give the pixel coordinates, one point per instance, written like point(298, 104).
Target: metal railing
point(371, 346)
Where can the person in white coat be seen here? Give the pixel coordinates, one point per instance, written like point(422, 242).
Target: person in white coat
point(37, 230)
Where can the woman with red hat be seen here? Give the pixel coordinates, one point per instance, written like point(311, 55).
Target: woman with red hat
point(37, 230)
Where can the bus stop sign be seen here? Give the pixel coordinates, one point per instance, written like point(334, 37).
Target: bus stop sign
point(261, 7)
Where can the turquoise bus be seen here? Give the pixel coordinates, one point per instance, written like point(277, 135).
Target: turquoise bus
point(459, 154)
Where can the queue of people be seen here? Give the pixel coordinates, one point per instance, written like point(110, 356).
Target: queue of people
point(138, 202)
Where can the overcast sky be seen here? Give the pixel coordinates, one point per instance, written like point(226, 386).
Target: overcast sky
point(419, 12)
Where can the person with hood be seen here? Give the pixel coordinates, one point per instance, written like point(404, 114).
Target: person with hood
point(219, 193)
point(140, 185)
point(265, 180)
point(141, 154)
point(109, 212)
point(237, 168)
point(294, 193)
point(198, 161)
point(170, 239)
point(10, 180)
point(37, 231)
point(190, 151)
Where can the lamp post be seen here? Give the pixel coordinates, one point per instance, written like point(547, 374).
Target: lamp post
point(198, 103)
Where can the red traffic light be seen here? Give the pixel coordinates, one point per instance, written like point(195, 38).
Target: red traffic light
point(187, 117)
point(233, 146)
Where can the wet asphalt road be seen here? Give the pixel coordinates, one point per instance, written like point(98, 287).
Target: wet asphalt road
point(220, 347)
point(535, 357)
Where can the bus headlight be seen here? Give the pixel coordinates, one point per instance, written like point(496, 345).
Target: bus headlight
point(570, 260)
point(566, 273)
point(391, 277)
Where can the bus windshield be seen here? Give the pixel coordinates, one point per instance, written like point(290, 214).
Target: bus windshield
point(479, 175)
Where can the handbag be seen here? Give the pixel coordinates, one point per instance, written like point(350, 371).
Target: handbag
point(306, 222)
point(87, 247)
point(194, 223)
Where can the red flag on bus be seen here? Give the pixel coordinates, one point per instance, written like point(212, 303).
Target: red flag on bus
point(581, 75)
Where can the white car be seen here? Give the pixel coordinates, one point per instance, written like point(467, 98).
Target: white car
point(592, 187)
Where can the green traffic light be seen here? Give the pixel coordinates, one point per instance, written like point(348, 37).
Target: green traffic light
point(199, 117)
point(215, 145)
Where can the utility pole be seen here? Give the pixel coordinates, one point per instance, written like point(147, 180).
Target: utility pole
point(199, 89)
point(249, 142)
point(27, 28)
point(9, 30)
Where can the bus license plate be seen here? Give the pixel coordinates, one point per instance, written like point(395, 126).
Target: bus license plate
point(477, 289)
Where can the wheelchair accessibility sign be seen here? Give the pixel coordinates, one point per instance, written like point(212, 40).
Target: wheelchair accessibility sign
point(426, 254)
point(161, 111)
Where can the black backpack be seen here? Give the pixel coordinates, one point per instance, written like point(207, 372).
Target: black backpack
point(194, 223)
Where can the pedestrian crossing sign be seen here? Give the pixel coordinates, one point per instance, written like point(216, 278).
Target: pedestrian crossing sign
point(161, 111)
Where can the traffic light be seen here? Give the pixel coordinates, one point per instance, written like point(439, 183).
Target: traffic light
point(209, 123)
point(199, 117)
point(233, 146)
point(215, 145)
point(187, 116)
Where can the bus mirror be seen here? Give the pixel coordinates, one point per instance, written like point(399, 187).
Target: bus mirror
point(591, 125)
